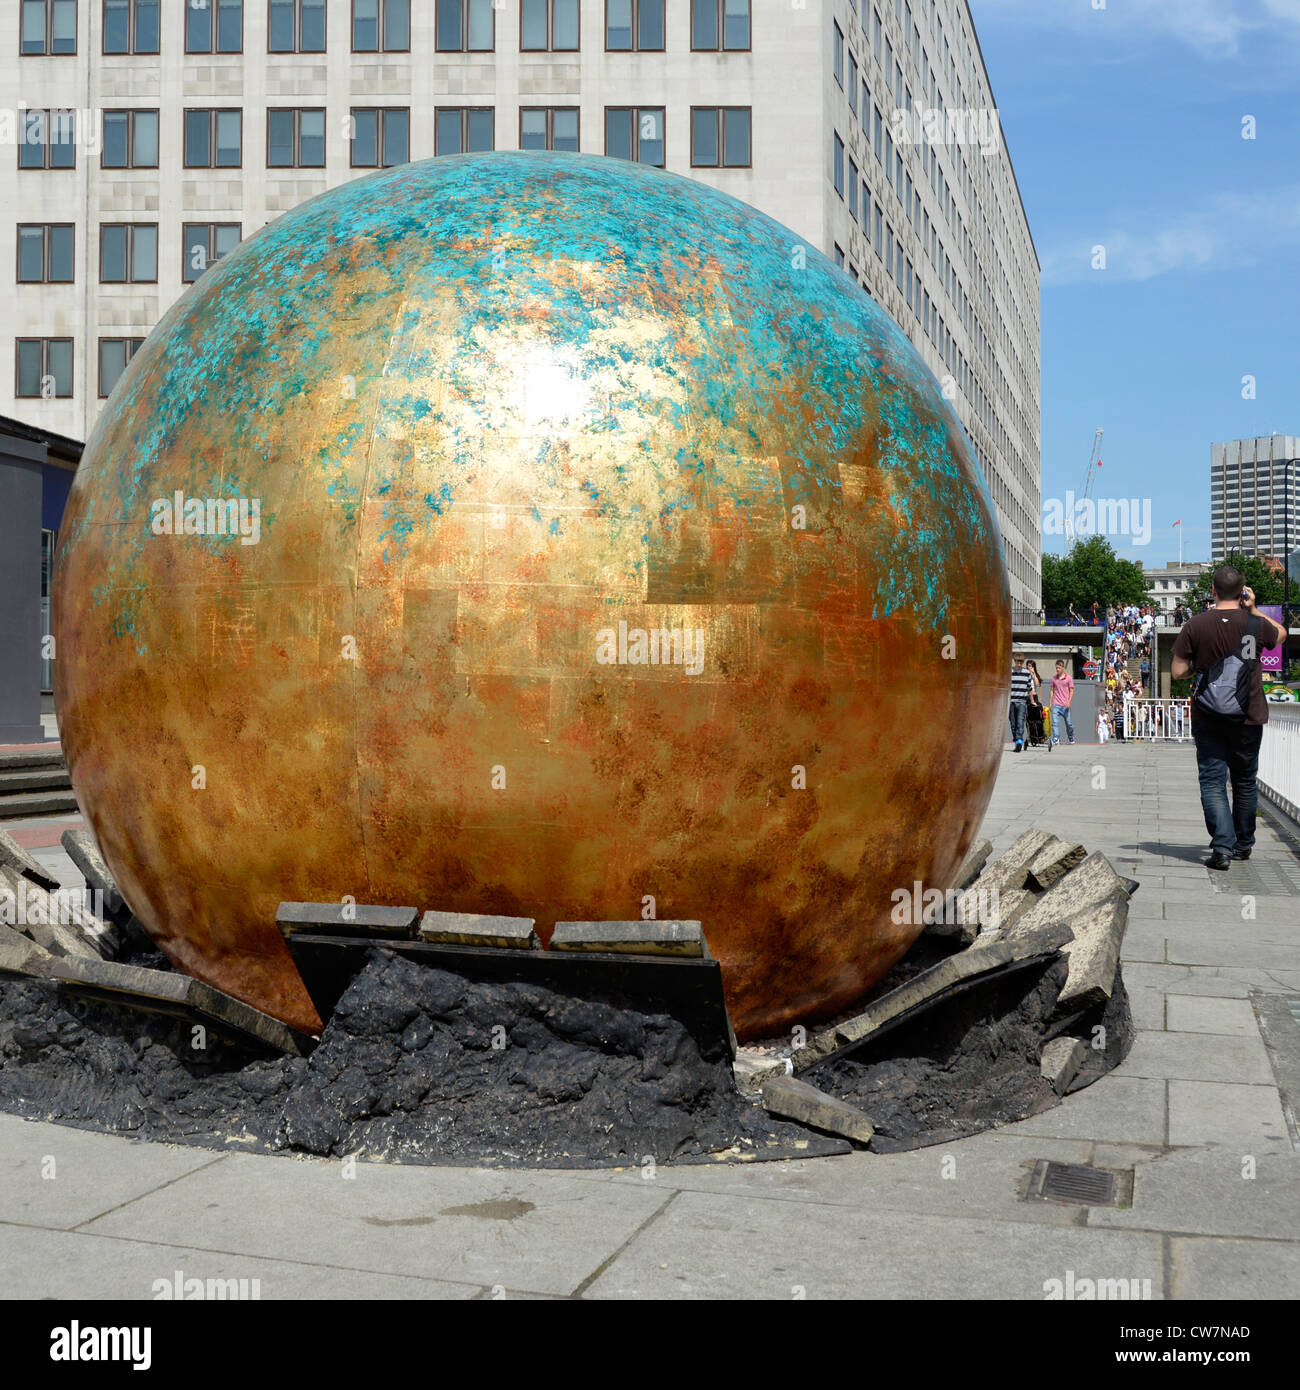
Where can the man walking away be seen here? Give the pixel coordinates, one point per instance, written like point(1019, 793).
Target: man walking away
point(1222, 646)
point(1021, 684)
point(1062, 698)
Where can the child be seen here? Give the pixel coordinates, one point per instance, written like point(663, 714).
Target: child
point(1103, 728)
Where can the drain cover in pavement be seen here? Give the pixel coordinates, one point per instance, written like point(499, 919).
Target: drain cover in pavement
point(1076, 1184)
point(1262, 878)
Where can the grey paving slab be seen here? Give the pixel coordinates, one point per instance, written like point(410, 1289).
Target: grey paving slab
point(1199, 1013)
point(1249, 1270)
point(1116, 1109)
point(1217, 981)
point(980, 1176)
point(1186, 1057)
point(1212, 1191)
point(37, 1263)
point(52, 1175)
point(1240, 1116)
point(439, 1223)
point(1147, 1007)
point(1188, 948)
point(723, 1246)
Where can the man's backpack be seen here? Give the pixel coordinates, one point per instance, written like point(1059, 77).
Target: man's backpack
point(1224, 689)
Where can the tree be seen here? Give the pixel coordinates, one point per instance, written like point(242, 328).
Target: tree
point(1266, 584)
point(1091, 572)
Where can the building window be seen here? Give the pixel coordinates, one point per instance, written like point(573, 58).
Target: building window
point(837, 52)
point(720, 135)
point(114, 354)
point(381, 26)
point(128, 253)
point(213, 139)
point(464, 129)
point(48, 26)
point(45, 253)
point(720, 25)
point(49, 140)
point(838, 165)
point(295, 26)
point(131, 26)
point(295, 137)
point(839, 256)
point(381, 136)
point(548, 25)
point(634, 25)
point(215, 26)
point(130, 140)
point(548, 128)
point(465, 26)
point(206, 243)
point(853, 83)
point(635, 132)
point(43, 367)
point(853, 189)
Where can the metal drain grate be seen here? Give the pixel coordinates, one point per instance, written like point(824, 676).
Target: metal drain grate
point(1078, 1185)
point(1265, 879)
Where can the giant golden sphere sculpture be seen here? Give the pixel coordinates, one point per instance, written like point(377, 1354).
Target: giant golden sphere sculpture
point(532, 534)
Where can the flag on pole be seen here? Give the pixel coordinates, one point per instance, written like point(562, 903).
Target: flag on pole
point(1179, 522)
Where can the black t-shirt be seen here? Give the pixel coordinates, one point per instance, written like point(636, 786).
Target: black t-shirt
point(1217, 633)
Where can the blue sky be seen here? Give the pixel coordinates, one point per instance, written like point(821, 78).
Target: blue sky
point(1125, 128)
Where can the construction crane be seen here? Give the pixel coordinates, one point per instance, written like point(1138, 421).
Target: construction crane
point(1094, 462)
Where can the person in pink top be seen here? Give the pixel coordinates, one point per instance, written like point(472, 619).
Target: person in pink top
point(1062, 699)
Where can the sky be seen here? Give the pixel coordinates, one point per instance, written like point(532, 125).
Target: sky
point(1125, 128)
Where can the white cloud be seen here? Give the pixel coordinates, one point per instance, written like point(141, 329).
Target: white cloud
point(1214, 28)
point(1211, 237)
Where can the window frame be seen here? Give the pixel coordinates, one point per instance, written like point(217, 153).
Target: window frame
point(212, 237)
point(298, 112)
point(131, 51)
point(46, 229)
point(48, 50)
point(67, 395)
point(550, 124)
point(137, 344)
point(636, 130)
point(131, 112)
point(722, 46)
point(380, 46)
point(464, 33)
point(635, 45)
point(464, 126)
point(213, 112)
point(130, 252)
point(720, 126)
point(381, 113)
point(297, 34)
point(213, 29)
point(550, 33)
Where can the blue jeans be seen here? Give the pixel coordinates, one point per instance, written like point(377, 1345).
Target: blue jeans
point(1226, 749)
point(1019, 710)
point(1061, 715)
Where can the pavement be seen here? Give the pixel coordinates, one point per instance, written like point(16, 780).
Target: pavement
point(1196, 1112)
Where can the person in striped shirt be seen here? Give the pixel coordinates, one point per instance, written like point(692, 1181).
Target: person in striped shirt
point(1021, 684)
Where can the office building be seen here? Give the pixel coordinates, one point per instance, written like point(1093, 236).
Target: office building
point(152, 135)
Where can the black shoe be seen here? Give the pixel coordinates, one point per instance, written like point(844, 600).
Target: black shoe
point(1219, 860)
point(1241, 853)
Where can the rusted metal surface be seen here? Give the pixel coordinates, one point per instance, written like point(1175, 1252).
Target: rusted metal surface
point(491, 409)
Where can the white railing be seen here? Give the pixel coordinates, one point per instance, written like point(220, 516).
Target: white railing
point(1168, 721)
point(1279, 758)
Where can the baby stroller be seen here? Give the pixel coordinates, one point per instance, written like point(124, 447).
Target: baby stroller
point(1034, 723)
